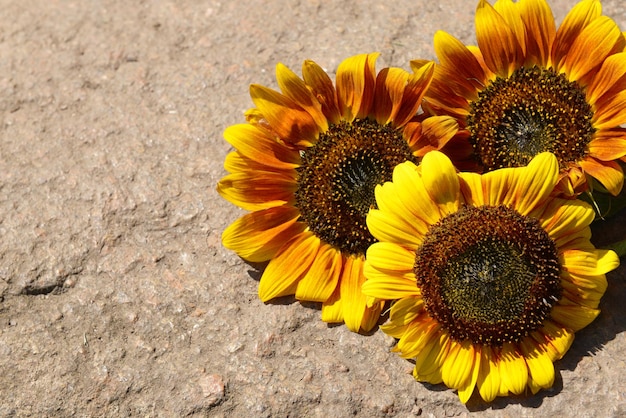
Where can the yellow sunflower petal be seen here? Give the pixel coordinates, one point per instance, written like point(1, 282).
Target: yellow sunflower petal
point(321, 279)
point(562, 218)
point(535, 182)
point(467, 388)
point(405, 310)
point(497, 41)
point(557, 340)
point(391, 257)
point(287, 119)
point(575, 317)
point(332, 308)
point(441, 181)
point(382, 285)
point(393, 199)
point(589, 263)
point(408, 185)
point(257, 236)
point(417, 340)
point(356, 314)
point(539, 364)
point(347, 303)
point(488, 376)
point(386, 227)
point(295, 88)
point(513, 370)
point(283, 272)
point(459, 363)
point(583, 284)
point(428, 363)
point(497, 188)
point(587, 296)
point(472, 189)
point(356, 78)
point(522, 188)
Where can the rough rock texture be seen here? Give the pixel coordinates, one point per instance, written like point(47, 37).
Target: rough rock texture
point(116, 297)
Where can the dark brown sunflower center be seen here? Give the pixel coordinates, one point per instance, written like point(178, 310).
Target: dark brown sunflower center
point(488, 274)
point(532, 111)
point(337, 179)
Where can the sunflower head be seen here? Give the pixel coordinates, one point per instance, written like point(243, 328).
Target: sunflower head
point(490, 275)
point(306, 165)
point(529, 88)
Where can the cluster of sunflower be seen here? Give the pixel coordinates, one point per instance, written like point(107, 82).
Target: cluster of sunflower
point(446, 199)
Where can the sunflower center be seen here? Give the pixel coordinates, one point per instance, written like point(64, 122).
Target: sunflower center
point(532, 111)
point(488, 274)
point(337, 178)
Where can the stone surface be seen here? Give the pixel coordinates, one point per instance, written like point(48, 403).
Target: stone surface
point(116, 297)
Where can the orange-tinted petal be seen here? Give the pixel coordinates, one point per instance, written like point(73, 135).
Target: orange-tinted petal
point(321, 279)
point(257, 236)
point(295, 88)
point(497, 41)
point(541, 31)
point(510, 12)
point(434, 134)
point(416, 87)
point(610, 75)
point(323, 89)
point(611, 110)
point(292, 261)
point(455, 57)
point(256, 145)
point(262, 191)
point(286, 118)
point(580, 16)
point(594, 44)
point(356, 78)
point(609, 173)
point(390, 84)
point(607, 149)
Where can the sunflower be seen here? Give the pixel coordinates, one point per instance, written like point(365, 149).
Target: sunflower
point(529, 88)
point(490, 274)
point(306, 165)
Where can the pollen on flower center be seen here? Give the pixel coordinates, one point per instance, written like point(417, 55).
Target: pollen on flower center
point(488, 274)
point(337, 178)
point(532, 111)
